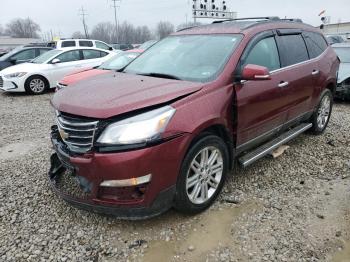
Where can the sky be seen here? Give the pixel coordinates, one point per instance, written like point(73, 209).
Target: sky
point(62, 17)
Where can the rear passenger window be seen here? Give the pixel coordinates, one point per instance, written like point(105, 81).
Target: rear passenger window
point(315, 43)
point(102, 45)
point(68, 43)
point(264, 53)
point(86, 43)
point(91, 54)
point(294, 50)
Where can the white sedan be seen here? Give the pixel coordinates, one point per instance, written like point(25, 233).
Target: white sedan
point(45, 71)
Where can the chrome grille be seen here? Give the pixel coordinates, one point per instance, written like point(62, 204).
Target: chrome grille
point(1, 82)
point(76, 132)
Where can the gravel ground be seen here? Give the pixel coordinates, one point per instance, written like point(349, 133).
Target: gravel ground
point(293, 208)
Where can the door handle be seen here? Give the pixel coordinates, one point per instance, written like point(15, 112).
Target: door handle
point(283, 84)
point(315, 72)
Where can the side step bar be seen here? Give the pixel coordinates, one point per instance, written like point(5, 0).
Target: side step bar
point(267, 148)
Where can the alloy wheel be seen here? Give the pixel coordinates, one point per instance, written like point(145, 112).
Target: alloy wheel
point(37, 85)
point(204, 175)
point(323, 112)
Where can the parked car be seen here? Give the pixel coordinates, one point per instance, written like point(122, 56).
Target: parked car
point(123, 47)
point(115, 63)
point(343, 87)
point(166, 130)
point(79, 43)
point(3, 52)
point(147, 44)
point(334, 39)
point(21, 55)
point(46, 70)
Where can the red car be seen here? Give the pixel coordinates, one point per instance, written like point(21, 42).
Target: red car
point(115, 63)
point(166, 130)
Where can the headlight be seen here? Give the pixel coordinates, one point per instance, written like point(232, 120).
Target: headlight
point(138, 129)
point(18, 74)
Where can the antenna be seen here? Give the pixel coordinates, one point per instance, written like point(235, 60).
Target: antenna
point(83, 14)
point(115, 6)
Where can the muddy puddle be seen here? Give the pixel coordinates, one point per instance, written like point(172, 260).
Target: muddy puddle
point(344, 255)
point(211, 231)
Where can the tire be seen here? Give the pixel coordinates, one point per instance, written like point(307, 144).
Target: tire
point(322, 114)
point(36, 85)
point(190, 196)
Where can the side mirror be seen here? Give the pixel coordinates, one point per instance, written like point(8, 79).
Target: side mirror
point(13, 61)
point(110, 48)
point(255, 72)
point(55, 61)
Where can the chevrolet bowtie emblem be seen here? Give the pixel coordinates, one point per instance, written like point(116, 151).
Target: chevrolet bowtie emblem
point(63, 134)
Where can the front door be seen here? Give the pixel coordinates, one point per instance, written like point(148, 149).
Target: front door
point(260, 109)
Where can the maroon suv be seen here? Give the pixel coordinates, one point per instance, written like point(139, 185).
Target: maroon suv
point(165, 131)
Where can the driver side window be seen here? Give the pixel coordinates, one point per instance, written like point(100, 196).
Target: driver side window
point(69, 56)
point(24, 55)
point(264, 53)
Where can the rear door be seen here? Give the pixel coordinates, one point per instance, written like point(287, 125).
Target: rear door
point(261, 112)
point(298, 73)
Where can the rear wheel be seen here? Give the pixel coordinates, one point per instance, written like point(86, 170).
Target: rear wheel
point(321, 116)
point(202, 175)
point(36, 85)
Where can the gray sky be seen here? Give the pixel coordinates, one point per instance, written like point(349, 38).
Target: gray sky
point(62, 16)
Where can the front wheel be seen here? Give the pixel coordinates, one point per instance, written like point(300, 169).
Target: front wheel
point(202, 175)
point(36, 85)
point(321, 116)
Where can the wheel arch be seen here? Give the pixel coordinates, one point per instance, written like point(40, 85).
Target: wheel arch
point(218, 129)
point(38, 75)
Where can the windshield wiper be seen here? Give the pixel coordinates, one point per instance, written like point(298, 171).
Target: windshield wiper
point(160, 75)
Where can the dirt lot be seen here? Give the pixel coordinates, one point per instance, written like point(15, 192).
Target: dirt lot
point(293, 208)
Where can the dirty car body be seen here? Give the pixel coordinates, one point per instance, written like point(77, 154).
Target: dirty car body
point(132, 143)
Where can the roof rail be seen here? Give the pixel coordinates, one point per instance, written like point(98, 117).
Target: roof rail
point(186, 28)
point(298, 20)
point(248, 18)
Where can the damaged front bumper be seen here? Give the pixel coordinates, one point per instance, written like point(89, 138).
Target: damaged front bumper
point(78, 178)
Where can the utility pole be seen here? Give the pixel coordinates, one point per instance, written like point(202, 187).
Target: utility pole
point(83, 14)
point(115, 6)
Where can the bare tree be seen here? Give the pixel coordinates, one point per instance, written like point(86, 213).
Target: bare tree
point(164, 29)
point(104, 32)
point(2, 31)
point(78, 35)
point(20, 27)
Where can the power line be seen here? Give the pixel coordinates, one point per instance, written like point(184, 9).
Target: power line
point(83, 14)
point(115, 6)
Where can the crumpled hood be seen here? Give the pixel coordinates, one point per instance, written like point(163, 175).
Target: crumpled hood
point(25, 67)
point(344, 72)
point(112, 94)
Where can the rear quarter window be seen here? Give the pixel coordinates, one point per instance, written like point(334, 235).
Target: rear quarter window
point(315, 42)
point(68, 43)
point(293, 49)
point(86, 43)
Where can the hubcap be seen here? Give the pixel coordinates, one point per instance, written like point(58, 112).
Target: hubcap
point(37, 85)
point(204, 175)
point(323, 112)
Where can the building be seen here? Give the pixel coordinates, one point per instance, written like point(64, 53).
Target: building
point(7, 42)
point(342, 29)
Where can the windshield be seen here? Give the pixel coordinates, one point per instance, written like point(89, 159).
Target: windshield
point(12, 52)
point(46, 56)
point(198, 58)
point(147, 44)
point(119, 61)
point(343, 53)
